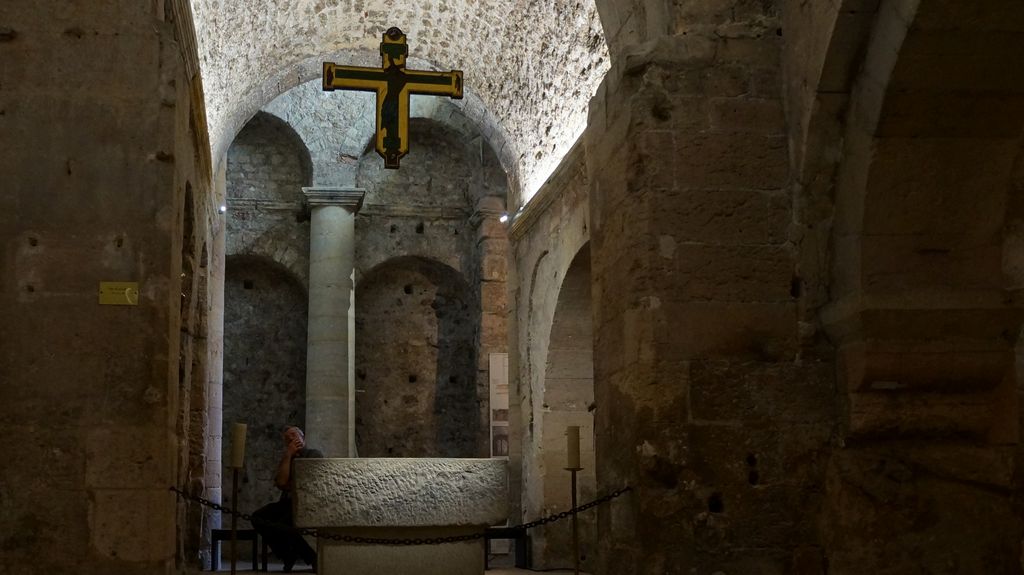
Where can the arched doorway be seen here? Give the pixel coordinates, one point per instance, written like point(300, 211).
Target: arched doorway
point(568, 400)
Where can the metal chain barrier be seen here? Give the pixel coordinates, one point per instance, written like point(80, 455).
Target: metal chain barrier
point(313, 532)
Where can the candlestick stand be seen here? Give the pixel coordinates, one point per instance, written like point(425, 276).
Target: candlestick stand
point(234, 519)
point(575, 527)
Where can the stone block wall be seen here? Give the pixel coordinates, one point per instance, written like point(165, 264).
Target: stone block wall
point(268, 161)
point(96, 189)
point(264, 370)
point(551, 383)
point(416, 363)
point(924, 308)
point(709, 402)
point(430, 226)
point(434, 216)
point(265, 300)
point(267, 166)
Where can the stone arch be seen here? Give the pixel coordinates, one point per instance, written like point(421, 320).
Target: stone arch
point(568, 399)
point(293, 258)
point(309, 71)
point(923, 212)
point(443, 156)
point(189, 333)
point(337, 127)
point(924, 241)
point(268, 166)
point(265, 327)
point(546, 47)
point(417, 394)
point(265, 143)
point(197, 519)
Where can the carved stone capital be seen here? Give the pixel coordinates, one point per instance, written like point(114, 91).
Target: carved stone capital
point(348, 198)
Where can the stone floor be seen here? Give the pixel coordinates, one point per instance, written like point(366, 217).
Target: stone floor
point(276, 568)
point(272, 567)
point(244, 568)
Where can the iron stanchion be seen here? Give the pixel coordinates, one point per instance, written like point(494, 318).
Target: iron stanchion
point(575, 529)
point(237, 461)
point(234, 519)
point(572, 449)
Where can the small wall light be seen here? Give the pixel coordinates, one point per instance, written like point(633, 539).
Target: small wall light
point(504, 218)
point(222, 209)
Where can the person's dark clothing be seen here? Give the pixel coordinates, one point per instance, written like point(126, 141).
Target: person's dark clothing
point(287, 545)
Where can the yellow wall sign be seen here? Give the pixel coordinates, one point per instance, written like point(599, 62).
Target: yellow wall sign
point(119, 293)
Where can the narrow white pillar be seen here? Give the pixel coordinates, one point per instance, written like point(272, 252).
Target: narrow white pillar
point(330, 355)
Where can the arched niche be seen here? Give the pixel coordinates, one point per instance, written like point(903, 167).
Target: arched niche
point(268, 161)
point(439, 170)
point(568, 400)
point(268, 165)
point(416, 391)
point(926, 246)
point(265, 323)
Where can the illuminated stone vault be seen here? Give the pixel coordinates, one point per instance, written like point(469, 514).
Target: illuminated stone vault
point(530, 67)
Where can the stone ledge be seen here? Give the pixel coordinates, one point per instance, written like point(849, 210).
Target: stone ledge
point(400, 492)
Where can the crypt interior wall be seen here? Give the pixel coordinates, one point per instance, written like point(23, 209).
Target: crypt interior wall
point(568, 399)
point(94, 189)
point(267, 166)
point(264, 369)
point(416, 362)
point(441, 207)
point(549, 242)
point(435, 220)
point(265, 299)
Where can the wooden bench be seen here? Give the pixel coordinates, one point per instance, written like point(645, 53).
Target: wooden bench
point(219, 535)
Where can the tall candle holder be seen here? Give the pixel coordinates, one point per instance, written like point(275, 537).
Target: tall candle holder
point(572, 451)
point(237, 462)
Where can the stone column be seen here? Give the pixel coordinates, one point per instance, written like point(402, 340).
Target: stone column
point(492, 250)
point(330, 357)
point(707, 399)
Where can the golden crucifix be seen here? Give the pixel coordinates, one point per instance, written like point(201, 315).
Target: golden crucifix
point(393, 84)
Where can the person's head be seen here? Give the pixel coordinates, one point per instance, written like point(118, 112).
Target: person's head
point(291, 433)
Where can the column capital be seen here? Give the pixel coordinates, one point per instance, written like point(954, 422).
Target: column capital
point(350, 198)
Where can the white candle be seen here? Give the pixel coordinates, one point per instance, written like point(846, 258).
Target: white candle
point(572, 447)
point(238, 445)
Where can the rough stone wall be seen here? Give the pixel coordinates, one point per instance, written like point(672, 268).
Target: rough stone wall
point(334, 126)
point(923, 272)
point(547, 237)
point(569, 400)
point(337, 127)
point(266, 169)
point(95, 183)
point(442, 174)
point(709, 403)
point(267, 161)
point(528, 74)
point(265, 298)
point(436, 209)
point(264, 370)
point(432, 208)
point(415, 362)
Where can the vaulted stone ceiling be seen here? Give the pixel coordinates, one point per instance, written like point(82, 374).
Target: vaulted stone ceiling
point(531, 66)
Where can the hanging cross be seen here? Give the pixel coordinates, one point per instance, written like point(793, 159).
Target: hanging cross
point(393, 84)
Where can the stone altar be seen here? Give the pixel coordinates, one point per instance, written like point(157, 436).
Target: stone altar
point(400, 498)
